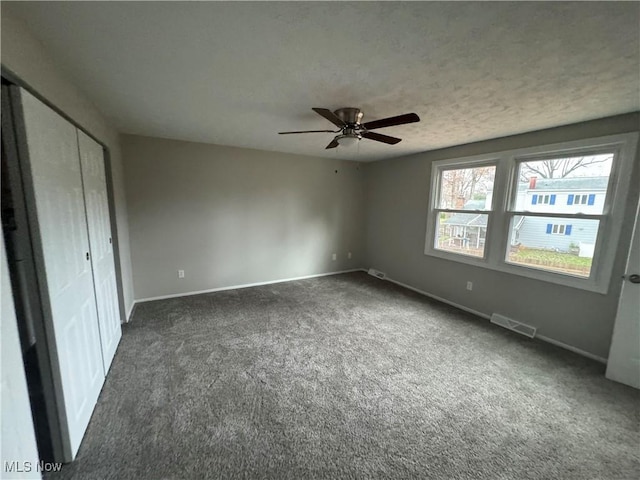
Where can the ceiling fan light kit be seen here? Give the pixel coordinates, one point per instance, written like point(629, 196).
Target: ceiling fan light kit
point(347, 140)
point(352, 130)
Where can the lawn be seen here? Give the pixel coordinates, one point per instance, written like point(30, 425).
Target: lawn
point(563, 262)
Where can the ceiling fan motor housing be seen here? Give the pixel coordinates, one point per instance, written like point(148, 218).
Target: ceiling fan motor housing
point(350, 116)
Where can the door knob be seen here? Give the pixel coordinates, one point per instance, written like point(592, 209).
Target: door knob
point(634, 278)
point(87, 255)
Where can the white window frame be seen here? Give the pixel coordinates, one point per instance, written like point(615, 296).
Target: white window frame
point(558, 228)
point(623, 147)
point(437, 210)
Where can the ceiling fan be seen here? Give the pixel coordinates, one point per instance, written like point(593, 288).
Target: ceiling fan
point(351, 130)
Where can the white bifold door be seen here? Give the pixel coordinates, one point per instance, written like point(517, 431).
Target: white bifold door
point(69, 218)
point(100, 241)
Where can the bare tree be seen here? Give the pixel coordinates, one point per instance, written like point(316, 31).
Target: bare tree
point(463, 184)
point(558, 168)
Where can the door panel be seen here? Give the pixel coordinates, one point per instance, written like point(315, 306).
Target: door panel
point(102, 258)
point(56, 215)
point(624, 355)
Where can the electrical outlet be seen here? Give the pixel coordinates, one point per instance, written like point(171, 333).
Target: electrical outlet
point(349, 255)
point(469, 285)
point(334, 256)
point(180, 273)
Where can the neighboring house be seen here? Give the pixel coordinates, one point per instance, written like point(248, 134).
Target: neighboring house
point(559, 195)
point(554, 195)
point(466, 230)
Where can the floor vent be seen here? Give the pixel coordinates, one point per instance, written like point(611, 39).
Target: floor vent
point(377, 273)
point(510, 324)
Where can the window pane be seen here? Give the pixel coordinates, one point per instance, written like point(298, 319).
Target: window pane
point(564, 185)
point(467, 188)
point(462, 233)
point(563, 245)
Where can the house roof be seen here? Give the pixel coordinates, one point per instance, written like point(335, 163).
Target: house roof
point(471, 219)
point(467, 219)
point(573, 183)
point(474, 205)
point(478, 220)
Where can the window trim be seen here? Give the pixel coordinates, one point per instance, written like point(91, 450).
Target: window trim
point(505, 189)
point(437, 210)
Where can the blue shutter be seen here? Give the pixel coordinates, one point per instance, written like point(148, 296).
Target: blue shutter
point(553, 200)
point(534, 199)
point(592, 198)
point(549, 227)
point(570, 200)
point(567, 230)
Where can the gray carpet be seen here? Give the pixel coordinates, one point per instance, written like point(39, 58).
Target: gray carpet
point(349, 377)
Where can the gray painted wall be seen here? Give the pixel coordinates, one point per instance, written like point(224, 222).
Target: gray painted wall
point(397, 193)
point(232, 216)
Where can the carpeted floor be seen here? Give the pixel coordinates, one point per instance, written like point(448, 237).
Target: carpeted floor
point(349, 377)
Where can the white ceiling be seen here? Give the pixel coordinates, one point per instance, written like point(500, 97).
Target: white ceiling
point(236, 73)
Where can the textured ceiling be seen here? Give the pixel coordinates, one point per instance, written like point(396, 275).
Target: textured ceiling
point(236, 73)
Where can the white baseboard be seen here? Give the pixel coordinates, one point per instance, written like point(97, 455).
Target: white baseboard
point(440, 299)
point(579, 351)
point(130, 312)
point(245, 285)
point(557, 343)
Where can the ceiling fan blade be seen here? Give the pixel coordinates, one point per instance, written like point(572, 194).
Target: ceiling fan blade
point(381, 138)
point(329, 115)
point(391, 121)
point(334, 143)
point(309, 131)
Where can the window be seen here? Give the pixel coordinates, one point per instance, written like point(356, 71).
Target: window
point(546, 243)
point(581, 199)
point(553, 213)
point(543, 199)
point(557, 229)
point(464, 200)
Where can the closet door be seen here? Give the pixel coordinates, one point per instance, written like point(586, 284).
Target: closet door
point(56, 211)
point(100, 241)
